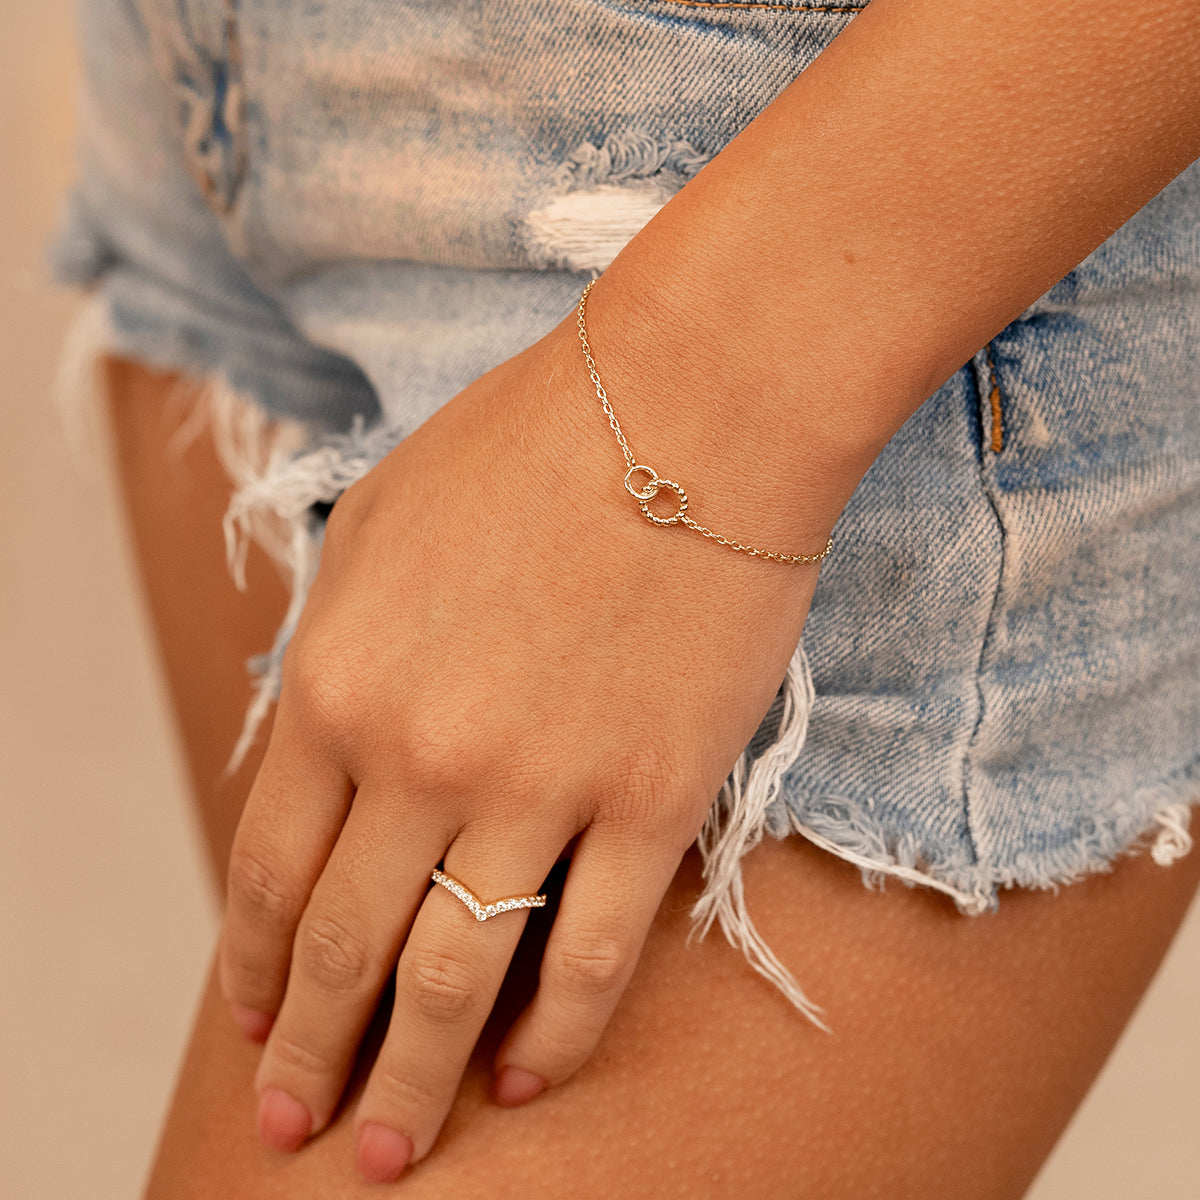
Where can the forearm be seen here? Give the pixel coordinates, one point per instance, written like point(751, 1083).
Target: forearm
point(927, 178)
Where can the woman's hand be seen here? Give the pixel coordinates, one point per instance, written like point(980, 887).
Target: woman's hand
point(499, 655)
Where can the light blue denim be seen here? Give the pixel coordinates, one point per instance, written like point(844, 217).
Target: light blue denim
point(352, 208)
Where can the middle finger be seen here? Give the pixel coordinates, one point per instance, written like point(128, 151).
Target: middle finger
point(447, 980)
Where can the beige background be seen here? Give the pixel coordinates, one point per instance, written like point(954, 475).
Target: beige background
point(105, 922)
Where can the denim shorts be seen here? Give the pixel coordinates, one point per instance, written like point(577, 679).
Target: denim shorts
point(346, 210)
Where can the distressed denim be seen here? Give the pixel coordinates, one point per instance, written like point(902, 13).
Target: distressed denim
point(349, 209)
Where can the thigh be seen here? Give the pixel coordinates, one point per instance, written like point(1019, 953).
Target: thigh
point(175, 493)
point(960, 1046)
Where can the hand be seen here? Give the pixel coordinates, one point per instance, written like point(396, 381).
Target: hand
point(499, 657)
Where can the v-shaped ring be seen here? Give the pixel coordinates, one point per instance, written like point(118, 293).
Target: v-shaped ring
point(483, 911)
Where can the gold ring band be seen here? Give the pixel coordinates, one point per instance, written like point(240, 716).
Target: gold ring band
point(481, 910)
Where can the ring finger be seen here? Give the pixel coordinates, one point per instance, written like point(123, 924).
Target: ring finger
point(447, 980)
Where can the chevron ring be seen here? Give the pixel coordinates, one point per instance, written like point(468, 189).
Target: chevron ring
point(483, 911)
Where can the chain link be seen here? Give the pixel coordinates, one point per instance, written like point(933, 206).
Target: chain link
point(644, 494)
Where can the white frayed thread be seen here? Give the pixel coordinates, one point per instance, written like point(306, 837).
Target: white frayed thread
point(607, 194)
point(1173, 840)
point(971, 904)
point(282, 495)
point(252, 449)
point(735, 825)
point(248, 443)
point(77, 386)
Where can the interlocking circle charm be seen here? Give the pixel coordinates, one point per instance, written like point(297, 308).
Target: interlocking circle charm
point(649, 490)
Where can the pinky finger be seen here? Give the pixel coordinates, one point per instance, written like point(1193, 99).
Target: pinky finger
point(589, 959)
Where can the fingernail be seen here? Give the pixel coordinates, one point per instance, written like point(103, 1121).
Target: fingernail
point(515, 1085)
point(283, 1122)
point(254, 1024)
point(382, 1152)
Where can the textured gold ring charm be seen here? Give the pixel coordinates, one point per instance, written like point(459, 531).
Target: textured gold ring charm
point(644, 505)
point(483, 911)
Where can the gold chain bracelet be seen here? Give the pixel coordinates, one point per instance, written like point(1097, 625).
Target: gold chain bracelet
point(654, 482)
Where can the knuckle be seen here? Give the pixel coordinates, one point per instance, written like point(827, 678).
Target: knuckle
point(243, 978)
point(441, 988)
point(332, 957)
point(441, 751)
point(561, 1046)
point(589, 966)
point(643, 790)
point(260, 892)
point(243, 973)
point(404, 1093)
point(320, 688)
point(295, 1054)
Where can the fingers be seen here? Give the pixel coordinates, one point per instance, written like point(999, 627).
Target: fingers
point(446, 983)
point(292, 818)
point(315, 925)
point(613, 889)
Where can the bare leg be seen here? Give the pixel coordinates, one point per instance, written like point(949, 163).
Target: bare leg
point(961, 1046)
point(206, 628)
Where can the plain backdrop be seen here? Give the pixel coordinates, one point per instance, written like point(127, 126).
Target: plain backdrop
point(106, 921)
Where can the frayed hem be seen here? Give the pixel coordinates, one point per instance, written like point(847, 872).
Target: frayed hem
point(1157, 820)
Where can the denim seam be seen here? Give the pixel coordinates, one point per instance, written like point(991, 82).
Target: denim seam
point(985, 404)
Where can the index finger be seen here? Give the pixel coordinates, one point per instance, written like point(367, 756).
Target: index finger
point(293, 815)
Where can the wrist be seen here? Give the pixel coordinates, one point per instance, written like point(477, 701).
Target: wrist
point(768, 452)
